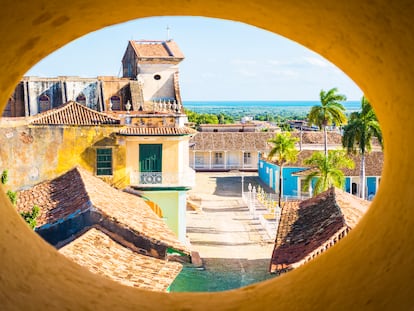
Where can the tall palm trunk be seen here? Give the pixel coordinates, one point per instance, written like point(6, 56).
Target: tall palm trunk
point(362, 177)
point(280, 185)
point(325, 140)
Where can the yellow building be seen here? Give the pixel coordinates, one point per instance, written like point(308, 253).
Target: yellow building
point(140, 146)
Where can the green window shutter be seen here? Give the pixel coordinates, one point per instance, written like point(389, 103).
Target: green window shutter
point(104, 162)
point(150, 158)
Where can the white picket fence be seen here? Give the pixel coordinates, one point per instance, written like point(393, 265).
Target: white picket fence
point(263, 207)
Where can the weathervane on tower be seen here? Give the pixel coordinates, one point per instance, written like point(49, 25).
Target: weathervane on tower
point(168, 33)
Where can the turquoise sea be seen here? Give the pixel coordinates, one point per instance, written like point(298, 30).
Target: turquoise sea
point(249, 108)
point(351, 105)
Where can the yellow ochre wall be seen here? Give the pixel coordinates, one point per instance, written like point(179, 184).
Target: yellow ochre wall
point(32, 154)
point(371, 269)
point(170, 152)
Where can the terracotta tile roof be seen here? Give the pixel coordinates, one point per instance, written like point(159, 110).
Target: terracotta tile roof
point(317, 137)
point(52, 198)
point(73, 113)
point(157, 131)
point(373, 163)
point(100, 254)
point(156, 49)
point(308, 228)
point(206, 141)
point(89, 192)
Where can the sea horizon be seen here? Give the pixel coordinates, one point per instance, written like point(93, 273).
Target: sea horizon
point(256, 106)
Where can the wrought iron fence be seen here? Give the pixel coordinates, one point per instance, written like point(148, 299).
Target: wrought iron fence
point(163, 179)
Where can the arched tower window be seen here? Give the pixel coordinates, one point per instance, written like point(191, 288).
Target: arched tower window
point(44, 103)
point(81, 99)
point(115, 102)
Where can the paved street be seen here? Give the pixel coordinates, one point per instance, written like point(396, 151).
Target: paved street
point(229, 241)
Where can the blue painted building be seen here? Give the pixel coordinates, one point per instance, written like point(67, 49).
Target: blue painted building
point(292, 185)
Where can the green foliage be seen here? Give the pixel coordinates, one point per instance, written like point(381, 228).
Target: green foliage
point(360, 130)
point(285, 127)
point(201, 118)
point(4, 177)
point(330, 111)
point(31, 217)
point(224, 118)
point(327, 170)
point(12, 196)
point(284, 148)
point(284, 151)
point(362, 127)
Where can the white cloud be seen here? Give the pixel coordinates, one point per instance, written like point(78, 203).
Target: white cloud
point(246, 73)
point(284, 72)
point(316, 62)
point(208, 75)
point(237, 61)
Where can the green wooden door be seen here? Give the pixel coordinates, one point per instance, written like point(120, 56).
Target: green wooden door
point(150, 158)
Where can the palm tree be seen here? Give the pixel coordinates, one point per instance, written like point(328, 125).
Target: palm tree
point(327, 170)
point(358, 134)
point(283, 152)
point(331, 111)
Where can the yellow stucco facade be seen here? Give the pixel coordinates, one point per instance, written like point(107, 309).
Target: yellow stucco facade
point(37, 153)
point(372, 269)
point(170, 151)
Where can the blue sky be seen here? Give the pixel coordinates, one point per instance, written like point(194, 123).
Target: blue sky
point(224, 60)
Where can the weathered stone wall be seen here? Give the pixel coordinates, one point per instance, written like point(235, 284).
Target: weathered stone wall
point(115, 86)
point(33, 154)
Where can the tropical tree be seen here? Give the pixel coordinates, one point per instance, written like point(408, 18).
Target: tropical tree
point(329, 112)
point(327, 170)
point(362, 127)
point(31, 216)
point(283, 152)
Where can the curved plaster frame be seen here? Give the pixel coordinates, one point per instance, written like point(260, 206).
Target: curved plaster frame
point(372, 269)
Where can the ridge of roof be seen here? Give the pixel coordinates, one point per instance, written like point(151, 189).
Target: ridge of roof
point(309, 227)
point(73, 113)
point(86, 191)
point(205, 141)
point(166, 49)
point(156, 131)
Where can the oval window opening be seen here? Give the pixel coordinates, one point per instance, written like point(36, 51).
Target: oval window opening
point(225, 108)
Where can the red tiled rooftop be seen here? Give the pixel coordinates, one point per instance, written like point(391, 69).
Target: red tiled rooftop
point(206, 141)
point(156, 131)
point(73, 113)
point(373, 163)
point(309, 227)
point(78, 190)
point(156, 49)
point(97, 252)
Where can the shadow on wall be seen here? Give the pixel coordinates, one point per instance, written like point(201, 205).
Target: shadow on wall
point(230, 186)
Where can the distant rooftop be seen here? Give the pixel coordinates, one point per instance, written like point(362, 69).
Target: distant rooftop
point(156, 131)
point(206, 141)
point(308, 228)
point(73, 113)
point(156, 49)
